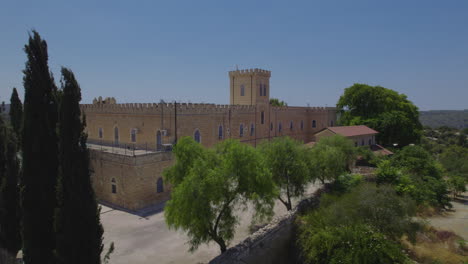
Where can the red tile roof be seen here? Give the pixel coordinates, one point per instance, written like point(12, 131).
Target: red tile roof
point(351, 131)
point(379, 150)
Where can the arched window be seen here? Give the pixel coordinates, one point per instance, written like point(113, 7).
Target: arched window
point(220, 132)
point(100, 132)
point(114, 185)
point(158, 141)
point(116, 135)
point(302, 124)
point(280, 127)
point(314, 123)
point(242, 90)
point(196, 136)
point(252, 129)
point(241, 130)
point(133, 134)
point(291, 125)
point(159, 185)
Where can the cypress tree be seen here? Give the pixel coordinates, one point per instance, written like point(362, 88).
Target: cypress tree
point(10, 238)
point(16, 112)
point(77, 225)
point(40, 161)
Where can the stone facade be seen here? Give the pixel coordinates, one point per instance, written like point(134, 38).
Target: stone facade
point(153, 127)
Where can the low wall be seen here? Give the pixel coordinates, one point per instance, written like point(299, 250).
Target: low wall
point(273, 244)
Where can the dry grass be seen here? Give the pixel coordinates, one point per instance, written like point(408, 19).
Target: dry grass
point(438, 246)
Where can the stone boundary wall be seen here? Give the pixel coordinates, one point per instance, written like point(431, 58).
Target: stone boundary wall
point(272, 244)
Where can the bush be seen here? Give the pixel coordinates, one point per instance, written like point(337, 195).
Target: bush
point(346, 182)
point(368, 219)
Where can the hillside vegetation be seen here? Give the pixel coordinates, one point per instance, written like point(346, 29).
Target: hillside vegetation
point(449, 118)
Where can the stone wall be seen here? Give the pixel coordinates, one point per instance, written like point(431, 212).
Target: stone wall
point(135, 178)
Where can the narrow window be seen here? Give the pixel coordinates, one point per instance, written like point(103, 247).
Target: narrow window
point(133, 134)
point(100, 132)
point(252, 129)
point(314, 123)
point(279, 127)
point(116, 135)
point(220, 132)
point(370, 142)
point(302, 124)
point(261, 90)
point(158, 141)
point(159, 185)
point(262, 117)
point(362, 142)
point(114, 186)
point(331, 123)
point(271, 126)
point(264, 90)
point(241, 130)
point(196, 136)
point(242, 90)
point(291, 125)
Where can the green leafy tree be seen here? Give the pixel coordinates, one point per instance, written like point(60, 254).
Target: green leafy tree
point(277, 102)
point(208, 190)
point(39, 150)
point(392, 114)
point(362, 226)
point(16, 112)
point(286, 159)
point(10, 237)
point(331, 157)
point(77, 225)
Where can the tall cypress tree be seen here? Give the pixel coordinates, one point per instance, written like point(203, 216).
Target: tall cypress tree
point(16, 112)
point(40, 160)
point(77, 224)
point(10, 238)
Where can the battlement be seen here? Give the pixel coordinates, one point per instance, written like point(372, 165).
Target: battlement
point(157, 108)
point(248, 72)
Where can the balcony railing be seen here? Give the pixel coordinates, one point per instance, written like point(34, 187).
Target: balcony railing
point(128, 148)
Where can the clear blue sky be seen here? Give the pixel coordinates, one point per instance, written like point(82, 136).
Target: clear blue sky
point(145, 51)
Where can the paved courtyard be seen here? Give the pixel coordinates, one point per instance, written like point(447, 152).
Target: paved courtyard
point(147, 240)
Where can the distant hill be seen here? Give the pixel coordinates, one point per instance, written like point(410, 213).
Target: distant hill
point(451, 118)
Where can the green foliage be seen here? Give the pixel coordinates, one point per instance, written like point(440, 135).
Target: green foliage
point(277, 102)
point(346, 182)
point(331, 157)
point(39, 150)
point(392, 114)
point(216, 182)
point(413, 171)
point(16, 112)
point(286, 160)
point(77, 224)
point(10, 238)
point(362, 226)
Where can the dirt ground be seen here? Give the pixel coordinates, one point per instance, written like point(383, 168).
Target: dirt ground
point(455, 220)
point(147, 240)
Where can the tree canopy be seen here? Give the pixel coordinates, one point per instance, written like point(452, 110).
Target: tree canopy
point(210, 184)
point(387, 111)
point(16, 112)
point(331, 157)
point(40, 159)
point(287, 161)
point(277, 102)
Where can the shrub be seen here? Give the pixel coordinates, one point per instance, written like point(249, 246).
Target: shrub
point(346, 182)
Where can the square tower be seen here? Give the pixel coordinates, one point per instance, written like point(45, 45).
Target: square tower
point(249, 87)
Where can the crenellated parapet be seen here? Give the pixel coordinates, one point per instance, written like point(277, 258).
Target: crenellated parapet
point(157, 108)
point(245, 72)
